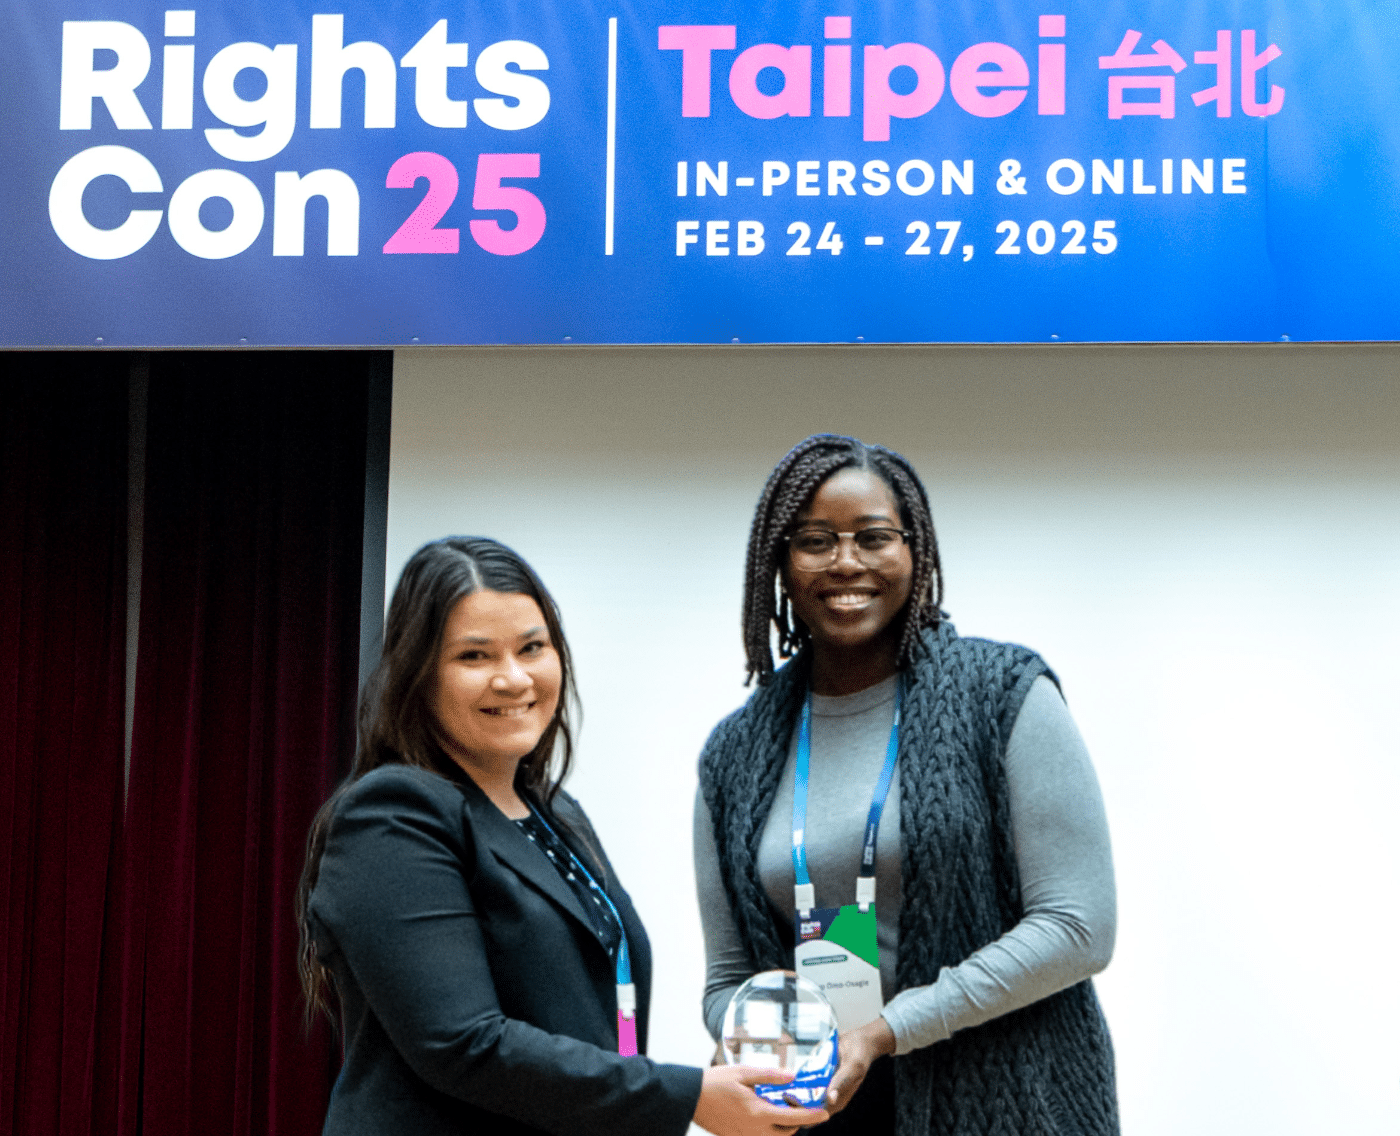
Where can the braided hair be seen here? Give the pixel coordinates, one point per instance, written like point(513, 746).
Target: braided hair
point(790, 486)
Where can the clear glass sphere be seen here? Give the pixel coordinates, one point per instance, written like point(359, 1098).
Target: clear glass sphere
point(780, 1020)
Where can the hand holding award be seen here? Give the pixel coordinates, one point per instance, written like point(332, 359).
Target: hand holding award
point(779, 1020)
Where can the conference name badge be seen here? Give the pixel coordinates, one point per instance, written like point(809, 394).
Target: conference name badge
point(836, 951)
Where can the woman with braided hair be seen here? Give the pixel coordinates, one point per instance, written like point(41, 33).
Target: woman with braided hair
point(946, 875)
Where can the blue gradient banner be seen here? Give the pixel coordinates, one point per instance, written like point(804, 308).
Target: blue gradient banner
point(684, 172)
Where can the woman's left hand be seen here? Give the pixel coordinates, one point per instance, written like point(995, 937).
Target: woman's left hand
point(859, 1048)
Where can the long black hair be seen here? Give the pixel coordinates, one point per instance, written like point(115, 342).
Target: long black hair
point(396, 723)
point(790, 486)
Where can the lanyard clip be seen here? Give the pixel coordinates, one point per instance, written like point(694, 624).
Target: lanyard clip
point(805, 897)
point(627, 1000)
point(865, 892)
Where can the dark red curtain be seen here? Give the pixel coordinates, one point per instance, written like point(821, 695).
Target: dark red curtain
point(63, 497)
point(245, 692)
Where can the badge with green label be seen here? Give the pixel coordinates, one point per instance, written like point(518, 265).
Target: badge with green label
point(836, 950)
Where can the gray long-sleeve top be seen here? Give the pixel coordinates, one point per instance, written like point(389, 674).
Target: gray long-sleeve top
point(1058, 829)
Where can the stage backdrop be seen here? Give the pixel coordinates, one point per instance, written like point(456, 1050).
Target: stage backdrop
point(671, 171)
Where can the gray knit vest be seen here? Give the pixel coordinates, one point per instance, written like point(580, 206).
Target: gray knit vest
point(1044, 1070)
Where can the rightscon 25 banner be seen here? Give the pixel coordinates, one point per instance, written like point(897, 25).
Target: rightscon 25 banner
point(657, 171)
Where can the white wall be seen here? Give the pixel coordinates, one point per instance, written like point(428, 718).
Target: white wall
point(1203, 541)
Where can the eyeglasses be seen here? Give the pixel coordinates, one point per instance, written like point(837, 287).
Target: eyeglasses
point(815, 549)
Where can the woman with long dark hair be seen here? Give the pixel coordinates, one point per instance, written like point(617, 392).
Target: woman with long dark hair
point(909, 818)
point(491, 973)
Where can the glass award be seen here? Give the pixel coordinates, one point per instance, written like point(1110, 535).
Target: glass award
point(780, 1020)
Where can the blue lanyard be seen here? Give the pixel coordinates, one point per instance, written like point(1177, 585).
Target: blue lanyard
point(624, 961)
point(805, 893)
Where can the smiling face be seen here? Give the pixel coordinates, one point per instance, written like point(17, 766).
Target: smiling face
point(497, 684)
point(851, 609)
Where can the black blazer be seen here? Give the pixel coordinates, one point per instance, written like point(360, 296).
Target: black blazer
point(476, 996)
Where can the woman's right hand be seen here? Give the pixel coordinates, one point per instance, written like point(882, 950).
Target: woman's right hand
point(728, 1106)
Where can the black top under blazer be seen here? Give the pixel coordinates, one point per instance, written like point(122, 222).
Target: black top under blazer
point(476, 997)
